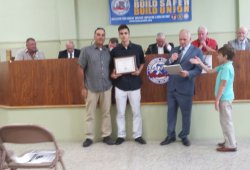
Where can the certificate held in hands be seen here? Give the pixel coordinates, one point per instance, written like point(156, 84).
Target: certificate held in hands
point(125, 65)
point(173, 69)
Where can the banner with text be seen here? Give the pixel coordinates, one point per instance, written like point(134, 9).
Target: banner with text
point(149, 11)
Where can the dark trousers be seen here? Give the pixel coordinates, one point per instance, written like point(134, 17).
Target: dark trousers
point(176, 100)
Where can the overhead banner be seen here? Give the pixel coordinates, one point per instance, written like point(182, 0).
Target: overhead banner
point(149, 11)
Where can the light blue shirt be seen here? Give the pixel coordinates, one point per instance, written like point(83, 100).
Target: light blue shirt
point(185, 50)
point(225, 72)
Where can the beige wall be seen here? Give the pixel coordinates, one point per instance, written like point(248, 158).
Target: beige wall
point(68, 123)
point(52, 22)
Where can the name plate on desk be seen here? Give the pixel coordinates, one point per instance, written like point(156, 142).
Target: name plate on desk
point(125, 64)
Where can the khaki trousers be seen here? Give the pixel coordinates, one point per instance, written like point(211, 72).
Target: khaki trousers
point(104, 99)
point(226, 122)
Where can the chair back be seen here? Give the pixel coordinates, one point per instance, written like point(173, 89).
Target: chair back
point(25, 134)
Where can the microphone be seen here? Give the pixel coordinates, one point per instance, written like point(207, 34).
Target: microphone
point(180, 50)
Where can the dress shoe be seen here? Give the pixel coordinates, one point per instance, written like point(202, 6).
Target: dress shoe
point(108, 140)
point(140, 140)
point(185, 141)
point(222, 144)
point(119, 141)
point(224, 149)
point(87, 143)
point(168, 140)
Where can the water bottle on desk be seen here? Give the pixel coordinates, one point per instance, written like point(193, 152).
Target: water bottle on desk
point(9, 55)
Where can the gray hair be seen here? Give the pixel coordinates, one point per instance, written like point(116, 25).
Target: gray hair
point(30, 39)
point(244, 28)
point(202, 27)
point(187, 32)
point(70, 42)
point(160, 35)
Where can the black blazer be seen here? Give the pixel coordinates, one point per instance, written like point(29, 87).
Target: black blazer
point(153, 49)
point(64, 54)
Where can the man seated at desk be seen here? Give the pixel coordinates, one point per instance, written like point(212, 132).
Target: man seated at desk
point(161, 46)
point(203, 42)
point(70, 51)
point(113, 42)
point(241, 42)
point(31, 52)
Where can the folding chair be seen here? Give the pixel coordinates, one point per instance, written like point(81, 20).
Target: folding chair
point(29, 135)
point(2, 159)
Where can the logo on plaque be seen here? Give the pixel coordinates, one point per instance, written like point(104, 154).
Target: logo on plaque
point(155, 71)
point(120, 7)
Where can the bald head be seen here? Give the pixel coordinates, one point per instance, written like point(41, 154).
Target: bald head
point(242, 33)
point(184, 37)
point(70, 46)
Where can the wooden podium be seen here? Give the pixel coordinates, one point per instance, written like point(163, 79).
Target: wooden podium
point(204, 84)
point(56, 82)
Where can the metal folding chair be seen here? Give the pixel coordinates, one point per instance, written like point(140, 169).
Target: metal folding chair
point(27, 135)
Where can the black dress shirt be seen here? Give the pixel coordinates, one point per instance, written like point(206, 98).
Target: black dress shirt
point(128, 81)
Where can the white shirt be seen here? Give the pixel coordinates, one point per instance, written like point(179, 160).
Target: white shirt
point(160, 50)
point(25, 55)
point(185, 50)
point(72, 55)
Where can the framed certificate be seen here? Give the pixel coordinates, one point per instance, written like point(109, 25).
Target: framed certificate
point(125, 64)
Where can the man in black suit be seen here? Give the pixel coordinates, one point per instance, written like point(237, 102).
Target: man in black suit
point(70, 51)
point(161, 46)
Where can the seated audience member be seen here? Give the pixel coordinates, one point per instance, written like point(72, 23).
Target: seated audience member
point(161, 46)
point(112, 43)
point(203, 42)
point(241, 42)
point(70, 51)
point(31, 52)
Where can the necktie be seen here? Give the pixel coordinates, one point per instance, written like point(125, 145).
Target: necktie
point(181, 53)
point(70, 55)
point(241, 45)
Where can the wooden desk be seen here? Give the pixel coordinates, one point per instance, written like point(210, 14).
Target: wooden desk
point(204, 85)
point(56, 82)
point(43, 82)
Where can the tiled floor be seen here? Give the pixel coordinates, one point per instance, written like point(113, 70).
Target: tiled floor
point(152, 156)
point(201, 155)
